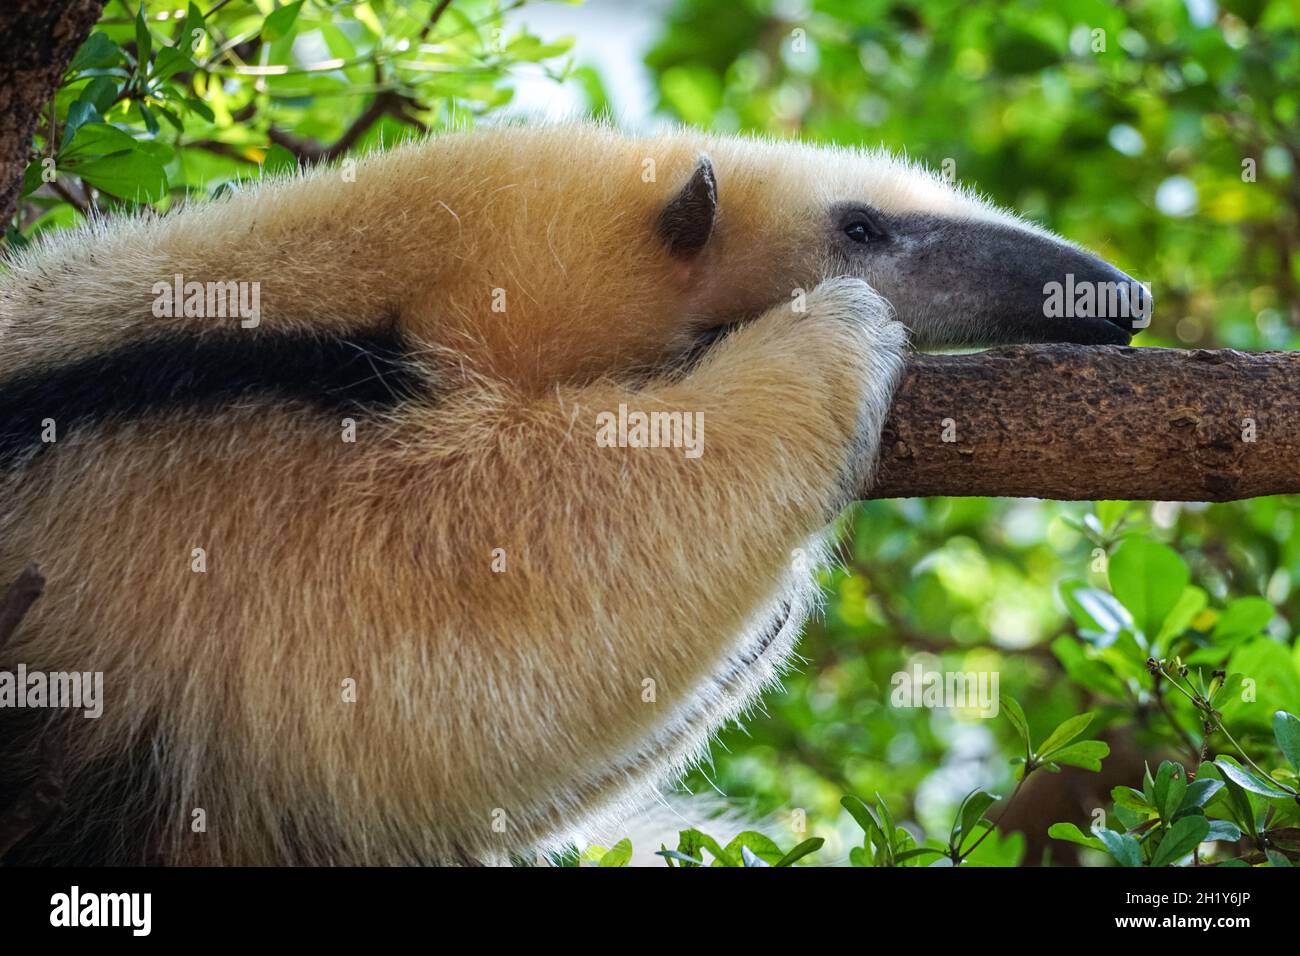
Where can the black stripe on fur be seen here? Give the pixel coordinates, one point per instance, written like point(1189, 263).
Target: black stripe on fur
point(366, 371)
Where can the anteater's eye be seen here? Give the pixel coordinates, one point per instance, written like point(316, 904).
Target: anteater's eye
point(859, 230)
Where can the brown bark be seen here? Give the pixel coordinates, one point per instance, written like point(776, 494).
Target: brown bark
point(1090, 423)
point(38, 39)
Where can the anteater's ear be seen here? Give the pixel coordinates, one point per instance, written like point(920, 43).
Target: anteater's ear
point(687, 221)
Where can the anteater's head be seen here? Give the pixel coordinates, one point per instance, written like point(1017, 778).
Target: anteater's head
point(764, 218)
point(615, 253)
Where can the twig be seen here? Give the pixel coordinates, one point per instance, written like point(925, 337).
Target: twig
point(68, 196)
point(1211, 714)
point(437, 13)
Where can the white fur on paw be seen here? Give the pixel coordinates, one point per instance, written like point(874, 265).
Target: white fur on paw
point(853, 301)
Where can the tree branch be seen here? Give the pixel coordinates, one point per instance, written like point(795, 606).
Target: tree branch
point(1091, 423)
point(37, 41)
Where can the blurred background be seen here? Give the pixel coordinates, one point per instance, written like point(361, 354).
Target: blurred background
point(1163, 135)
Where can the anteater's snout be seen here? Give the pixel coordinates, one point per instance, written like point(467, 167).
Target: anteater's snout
point(1088, 300)
point(1121, 299)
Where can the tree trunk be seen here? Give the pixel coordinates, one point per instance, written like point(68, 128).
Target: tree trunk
point(1090, 423)
point(38, 39)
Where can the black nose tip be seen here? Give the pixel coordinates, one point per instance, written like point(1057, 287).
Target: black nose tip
point(1123, 301)
point(1146, 303)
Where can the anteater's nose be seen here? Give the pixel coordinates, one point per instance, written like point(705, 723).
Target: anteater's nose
point(1121, 299)
point(1146, 304)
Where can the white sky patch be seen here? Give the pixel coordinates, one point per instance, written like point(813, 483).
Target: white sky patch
point(611, 35)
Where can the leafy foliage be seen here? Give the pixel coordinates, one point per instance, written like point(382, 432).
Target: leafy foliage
point(1163, 134)
point(166, 100)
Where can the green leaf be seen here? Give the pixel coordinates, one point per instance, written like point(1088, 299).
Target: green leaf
point(620, 854)
point(1247, 780)
point(1000, 850)
point(759, 844)
point(1227, 691)
point(95, 139)
point(1286, 729)
point(1200, 791)
point(32, 181)
point(862, 814)
point(131, 175)
point(169, 62)
point(194, 29)
point(143, 39)
point(1148, 578)
point(100, 93)
point(1016, 715)
point(200, 107)
point(1063, 734)
point(1133, 799)
point(279, 160)
point(1087, 754)
point(916, 852)
point(1170, 785)
point(1190, 603)
point(97, 53)
point(858, 856)
point(279, 22)
point(811, 845)
point(885, 818)
point(531, 49)
point(1243, 617)
point(159, 151)
point(749, 858)
point(1276, 672)
point(1223, 831)
point(1182, 838)
point(1124, 848)
point(692, 841)
point(170, 116)
point(968, 815)
point(150, 121)
point(1131, 819)
point(79, 114)
point(1072, 834)
point(1236, 802)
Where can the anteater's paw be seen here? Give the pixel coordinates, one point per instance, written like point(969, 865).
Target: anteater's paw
point(853, 302)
